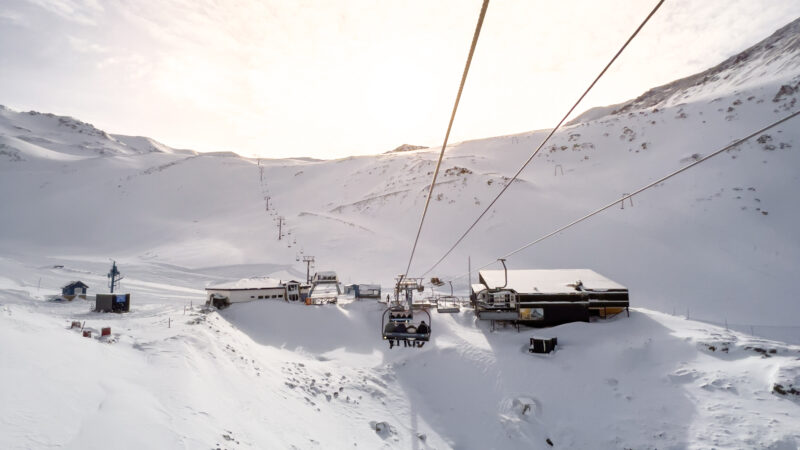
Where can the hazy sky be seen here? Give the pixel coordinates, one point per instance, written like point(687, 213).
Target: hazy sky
point(335, 78)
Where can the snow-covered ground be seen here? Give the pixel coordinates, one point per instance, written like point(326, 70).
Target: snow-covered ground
point(718, 243)
point(278, 375)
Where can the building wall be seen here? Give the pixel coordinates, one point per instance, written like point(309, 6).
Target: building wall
point(293, 291)
point(73, 290)
point(368, 291)
point(558, 313)
point(249, 295)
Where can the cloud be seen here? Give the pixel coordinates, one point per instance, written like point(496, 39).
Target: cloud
point(14, 18)
point(84, 12)
point(84, 46)
point(270, 70)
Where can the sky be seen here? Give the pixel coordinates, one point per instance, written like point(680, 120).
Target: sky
point(330, 79)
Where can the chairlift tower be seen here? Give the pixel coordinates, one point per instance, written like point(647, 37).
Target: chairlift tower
point(114, 277)
point(309, 260)
point(281, 221)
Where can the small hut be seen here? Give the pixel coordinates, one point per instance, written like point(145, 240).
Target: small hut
point(74, 289)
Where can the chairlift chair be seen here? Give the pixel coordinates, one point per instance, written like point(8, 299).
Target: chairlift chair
point(448, 304)
point(399, 314)
point(402, 312)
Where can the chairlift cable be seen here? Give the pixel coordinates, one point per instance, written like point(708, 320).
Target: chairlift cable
point(449, 127)
point(552, 132)
point(638, 191)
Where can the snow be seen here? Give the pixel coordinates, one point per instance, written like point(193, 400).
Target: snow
point(717, 243)
point(261, 372)
point(555, 281)
point(247, 283)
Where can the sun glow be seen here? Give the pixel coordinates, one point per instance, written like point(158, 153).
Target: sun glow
point(328, 80)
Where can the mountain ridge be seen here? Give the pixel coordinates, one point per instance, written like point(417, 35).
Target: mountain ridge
point(781, 47)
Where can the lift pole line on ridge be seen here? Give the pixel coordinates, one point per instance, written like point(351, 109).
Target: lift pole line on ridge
point(640, 190)
point(552, 132)
point(449, 127)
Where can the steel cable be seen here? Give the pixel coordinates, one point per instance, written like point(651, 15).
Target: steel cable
point(449, 127)
point(638, 191)
point(511, 181)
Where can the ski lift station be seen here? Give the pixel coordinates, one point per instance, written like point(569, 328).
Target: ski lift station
point(325, 289)
point(546, 297)
point(251, 289)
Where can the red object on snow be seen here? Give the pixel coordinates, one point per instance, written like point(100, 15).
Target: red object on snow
point(105, 331)
point(87, 333)
point(75, 324)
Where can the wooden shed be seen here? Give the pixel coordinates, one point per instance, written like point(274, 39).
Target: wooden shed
point(74, 289)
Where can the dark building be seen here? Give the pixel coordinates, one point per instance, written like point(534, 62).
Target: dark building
point(547, 297)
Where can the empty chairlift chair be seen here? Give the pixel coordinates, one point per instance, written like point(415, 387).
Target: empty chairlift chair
point(448, 304)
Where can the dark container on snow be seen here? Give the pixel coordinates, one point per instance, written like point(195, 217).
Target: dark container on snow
point(543, 345)
point(113, 303)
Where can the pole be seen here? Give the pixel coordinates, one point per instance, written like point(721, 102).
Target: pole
point(308, 260)
point(280, 226)
point(505, 272)
point(114, 275)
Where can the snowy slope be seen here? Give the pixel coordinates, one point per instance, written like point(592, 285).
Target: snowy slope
point(273, 374)
point(717, 243)
point(722, 234)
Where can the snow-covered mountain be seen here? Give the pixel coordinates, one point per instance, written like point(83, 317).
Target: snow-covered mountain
point(718, 243)
point(722, 235)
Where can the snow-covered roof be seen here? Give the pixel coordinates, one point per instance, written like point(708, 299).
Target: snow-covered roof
point(75, 283)
point(477, 287)
point(246, 283)
point(550, 281)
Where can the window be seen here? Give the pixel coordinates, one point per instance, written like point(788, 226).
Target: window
point(252, 296)
point(531, 313)
point(280, 295)
point(273, 295)
point(260, 296)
